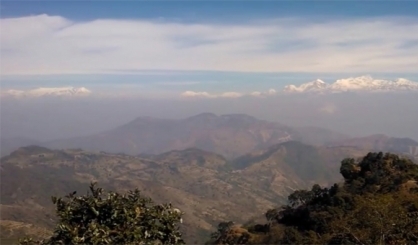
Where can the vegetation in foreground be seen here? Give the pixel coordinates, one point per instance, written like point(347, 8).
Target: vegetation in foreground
point(376, 204)
point(112, 218)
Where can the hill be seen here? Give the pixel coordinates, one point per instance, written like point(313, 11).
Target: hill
point(230, 135)
point(8, 145)
point(306, 164)
point(204, 185)
point(380, 142)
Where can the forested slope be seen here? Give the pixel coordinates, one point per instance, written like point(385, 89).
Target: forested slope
point(376, 204)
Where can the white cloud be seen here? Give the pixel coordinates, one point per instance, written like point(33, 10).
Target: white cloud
point(231, 95)
point(272, 91)
point(197, 94)
point(54, 45)
point(42, 92)
point(227, 94)
point(256, 93)
point(269, 92)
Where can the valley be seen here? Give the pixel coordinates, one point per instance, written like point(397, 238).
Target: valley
point(206, 185)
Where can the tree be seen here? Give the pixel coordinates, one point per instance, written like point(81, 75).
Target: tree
point(228, 233)
point(112, 218)
point(376, 204)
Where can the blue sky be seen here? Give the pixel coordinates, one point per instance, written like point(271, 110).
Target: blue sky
point(207, 10)
point(210, 46)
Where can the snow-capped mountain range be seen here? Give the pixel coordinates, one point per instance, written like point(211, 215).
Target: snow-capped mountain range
point(352, 84)
point(43, 92)
point(363, 83)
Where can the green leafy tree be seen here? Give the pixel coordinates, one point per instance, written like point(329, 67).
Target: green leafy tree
point(112, 218)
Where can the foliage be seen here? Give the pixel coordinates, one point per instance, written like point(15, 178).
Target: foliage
point(112, 218)
point(228, 233)
point(376, 204)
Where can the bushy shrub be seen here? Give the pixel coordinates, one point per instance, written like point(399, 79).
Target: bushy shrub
point(112, 218)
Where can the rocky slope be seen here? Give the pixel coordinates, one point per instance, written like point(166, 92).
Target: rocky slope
point(204, 185)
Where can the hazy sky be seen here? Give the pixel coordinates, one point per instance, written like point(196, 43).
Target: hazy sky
point(139, 42)
point(111, 37)
point(138, 57)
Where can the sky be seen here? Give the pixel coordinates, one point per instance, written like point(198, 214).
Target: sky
point(221, 43)
point(137, 57)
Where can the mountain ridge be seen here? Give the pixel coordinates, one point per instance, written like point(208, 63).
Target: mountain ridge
point(230, 135)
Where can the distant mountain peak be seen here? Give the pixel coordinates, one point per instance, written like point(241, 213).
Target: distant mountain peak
point(364, 83)
point(318, 81)
point(315, 85)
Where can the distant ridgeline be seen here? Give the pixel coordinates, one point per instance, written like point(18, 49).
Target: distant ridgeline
point(376, 204)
